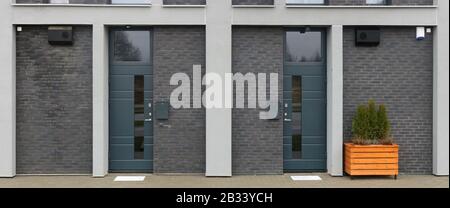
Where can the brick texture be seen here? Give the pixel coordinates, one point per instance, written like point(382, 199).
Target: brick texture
point(398, 73)
point(179, 148)
point(54, 103)
point(257, 144)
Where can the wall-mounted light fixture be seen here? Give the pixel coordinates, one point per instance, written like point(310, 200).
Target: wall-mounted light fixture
point(420, 33)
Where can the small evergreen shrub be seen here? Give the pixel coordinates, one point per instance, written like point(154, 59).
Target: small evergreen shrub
point(371, 125)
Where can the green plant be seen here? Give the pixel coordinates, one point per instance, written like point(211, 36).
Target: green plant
point(360, 123)
point(372, 121)
point(371, 125)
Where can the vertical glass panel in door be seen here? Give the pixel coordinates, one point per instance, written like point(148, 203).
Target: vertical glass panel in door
point(296, 117)
point(139, 117)
point(303, 47)
point(132, 46)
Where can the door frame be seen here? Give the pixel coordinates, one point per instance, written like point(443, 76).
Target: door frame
point(110, 58)
point(323, 64)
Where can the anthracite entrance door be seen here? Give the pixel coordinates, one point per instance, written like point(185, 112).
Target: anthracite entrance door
point(304, 100)
point(130, 100)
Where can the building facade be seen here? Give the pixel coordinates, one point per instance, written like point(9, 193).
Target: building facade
point(86, 84)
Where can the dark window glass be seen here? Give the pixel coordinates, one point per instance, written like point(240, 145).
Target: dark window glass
point(132, 46)
point(305, 2)
point(139, 117)
point(297, 146)
point(296, 117)
point(296, 94)
point(130, 1)
point(380, 2)
point(304, 46)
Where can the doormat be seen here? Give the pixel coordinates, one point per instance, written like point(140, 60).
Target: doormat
point(306, 178)
point(129, 178)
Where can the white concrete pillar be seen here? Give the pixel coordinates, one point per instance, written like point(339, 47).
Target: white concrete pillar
point(440, 91)
point(218, 60)
point(7, 93)
point(157, 3)
point(100, 101)
point(335, 119)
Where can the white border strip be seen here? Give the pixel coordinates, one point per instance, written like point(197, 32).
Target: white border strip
point(129, 179)
point(306, 178)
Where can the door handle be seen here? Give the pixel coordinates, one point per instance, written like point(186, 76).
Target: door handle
point(149, 119)
point(287, 119)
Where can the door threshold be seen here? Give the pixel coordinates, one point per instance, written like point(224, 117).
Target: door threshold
point(129, 178)
point(306, 178)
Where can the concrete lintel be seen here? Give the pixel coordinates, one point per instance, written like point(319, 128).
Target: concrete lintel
point(325, 15)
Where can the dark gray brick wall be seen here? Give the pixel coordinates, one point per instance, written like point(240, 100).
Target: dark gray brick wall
point(185, 2)
point(252, 2)
point(257, 144)
point(180, 148)
point(394, 2)
point(54, 103)
point(398, 73)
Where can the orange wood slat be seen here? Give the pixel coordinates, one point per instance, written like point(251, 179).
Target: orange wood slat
point(366, 160)
point(372, 155)
point(373, 172)
point(372, 160)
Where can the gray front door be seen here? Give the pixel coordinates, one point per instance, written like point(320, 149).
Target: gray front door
point(130, 100)
point(304, 103)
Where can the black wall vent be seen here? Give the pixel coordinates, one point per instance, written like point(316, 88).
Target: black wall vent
point(60, 35)
point(368, 36)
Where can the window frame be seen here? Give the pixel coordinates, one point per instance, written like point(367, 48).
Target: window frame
point(112, 38)
point(325, 2)
point(383, 3)
point(323, 43)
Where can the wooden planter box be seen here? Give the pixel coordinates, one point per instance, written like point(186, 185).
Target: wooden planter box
point(371, 160)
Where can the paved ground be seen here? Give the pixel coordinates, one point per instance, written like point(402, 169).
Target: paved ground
point(281, 181)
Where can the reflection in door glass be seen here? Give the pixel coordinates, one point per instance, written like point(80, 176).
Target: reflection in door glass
point(296, 117)
point(304, 46)
point(132, 46)
point(139, 117)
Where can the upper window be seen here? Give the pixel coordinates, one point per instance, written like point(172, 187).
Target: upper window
point(83, 1)
point(305, 1)
point(58, 1)
point(130, 2)
point(376, 2)
point(304, 47)
point(132, 46)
